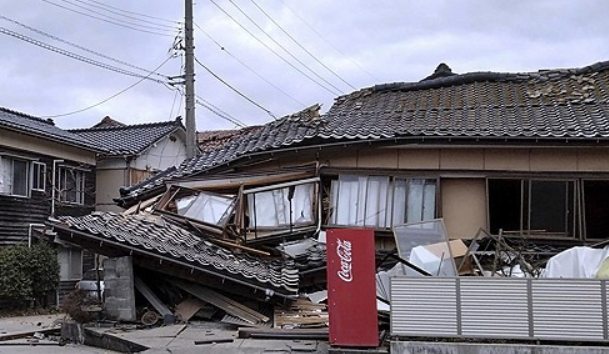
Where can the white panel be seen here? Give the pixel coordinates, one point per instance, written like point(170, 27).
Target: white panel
point(423, 306)
point(567, 308)
point(494, 307)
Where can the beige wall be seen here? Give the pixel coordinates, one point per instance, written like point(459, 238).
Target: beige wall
point(108, 183)
point(473, 159)
point(46, 147)
point(463, 206)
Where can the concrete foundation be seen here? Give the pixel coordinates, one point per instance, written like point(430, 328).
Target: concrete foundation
point(119, 302)
point(405, 347)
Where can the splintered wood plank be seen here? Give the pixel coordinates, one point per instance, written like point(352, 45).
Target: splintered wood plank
point(188, 308)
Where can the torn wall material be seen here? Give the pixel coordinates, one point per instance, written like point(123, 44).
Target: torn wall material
point(159, 245)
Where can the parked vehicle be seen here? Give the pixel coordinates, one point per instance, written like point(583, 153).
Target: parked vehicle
point(88, 283)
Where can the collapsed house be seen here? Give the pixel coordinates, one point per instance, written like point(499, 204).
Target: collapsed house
point(521, 155)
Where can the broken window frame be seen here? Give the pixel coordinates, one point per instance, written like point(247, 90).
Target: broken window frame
point(397, 188)
point(252, 232)
point(174, 192)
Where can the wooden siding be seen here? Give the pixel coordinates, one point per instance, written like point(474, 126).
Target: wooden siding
point(16, 213)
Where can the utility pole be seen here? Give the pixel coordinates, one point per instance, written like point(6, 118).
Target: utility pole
point(191, 126)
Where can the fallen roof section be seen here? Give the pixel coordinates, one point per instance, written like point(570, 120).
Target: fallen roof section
point(154, 241)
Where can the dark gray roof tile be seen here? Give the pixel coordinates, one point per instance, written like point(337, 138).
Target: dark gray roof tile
point(44, 128)
point(128, 139)
point(154, 234)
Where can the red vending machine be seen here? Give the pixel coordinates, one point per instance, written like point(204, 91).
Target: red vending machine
point(351, 288)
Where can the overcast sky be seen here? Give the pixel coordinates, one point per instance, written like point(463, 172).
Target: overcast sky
point(331, 48)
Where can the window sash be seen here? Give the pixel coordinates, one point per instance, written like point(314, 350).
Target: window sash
point(70, 263)
point(15, 176)
point(39, 176)
point(271, 209)
point(381, 201)
point(71, 185)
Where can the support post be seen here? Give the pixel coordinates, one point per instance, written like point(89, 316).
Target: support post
point(191, 128)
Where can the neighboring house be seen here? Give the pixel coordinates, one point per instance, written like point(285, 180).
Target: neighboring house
point(44, 171)
point(523, 154)
point(134, 153)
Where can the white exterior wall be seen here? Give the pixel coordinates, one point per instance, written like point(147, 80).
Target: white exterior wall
point(170, 151)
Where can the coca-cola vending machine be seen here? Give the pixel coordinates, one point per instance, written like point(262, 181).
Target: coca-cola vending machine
point(351, 288)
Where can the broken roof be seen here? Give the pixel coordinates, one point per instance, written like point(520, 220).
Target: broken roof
point(549, 104)
point(552, 105)
point(153, 236)
point(122, 139)
point(44, 128)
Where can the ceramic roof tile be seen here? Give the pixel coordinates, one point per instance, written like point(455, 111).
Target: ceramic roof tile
point(549, 104)
point(43, 127)
point(155, 235)
point(128, 139)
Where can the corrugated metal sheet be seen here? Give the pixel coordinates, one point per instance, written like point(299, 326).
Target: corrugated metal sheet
point(567, 309)
point(515, 308)
point(411, 301)
point(494, 307)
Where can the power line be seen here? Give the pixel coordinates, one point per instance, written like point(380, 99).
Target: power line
point(76, 56)
point(111, 97)
point(132, 12)
point(284, 49)
point(219, 114)
point(155, 27)
point(248, 67)
point(301, 46)
point(272, 50)
point(110, 10)
point(108, 21)
point(235, 120)
point(77, 46)
point(312, 28)
point(234, 89)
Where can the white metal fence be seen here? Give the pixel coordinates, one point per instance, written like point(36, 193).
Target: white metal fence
point(489, 307)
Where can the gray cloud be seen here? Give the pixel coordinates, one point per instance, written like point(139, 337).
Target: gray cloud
point(377, 42)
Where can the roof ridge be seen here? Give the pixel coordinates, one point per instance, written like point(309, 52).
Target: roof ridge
point(48, 121)
point(492, 76)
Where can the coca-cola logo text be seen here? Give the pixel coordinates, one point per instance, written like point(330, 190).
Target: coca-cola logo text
point(343, 250)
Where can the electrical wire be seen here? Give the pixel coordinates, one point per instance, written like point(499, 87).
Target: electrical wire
point(77, 46)
point(219, 114)
point(126, 16)
point(283, 48)
point(111, 97)
point(247, 66)
point(155, 28)
point(234, 89)
point(301, 46)
point(328, 42)
point(272, 50)
point(235, 120)
point(76, 56)
point(107, 21)
point(132, 12)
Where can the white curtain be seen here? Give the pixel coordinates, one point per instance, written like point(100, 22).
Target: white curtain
point(378, 201)
point(205, 207)
point(272, 208)
point(5, 175)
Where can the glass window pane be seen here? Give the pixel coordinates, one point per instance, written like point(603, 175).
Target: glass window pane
point(20, 177)
point(415, 201)
point(208, 208)
point(429, 200)
point(273, 208)
point(399, 201)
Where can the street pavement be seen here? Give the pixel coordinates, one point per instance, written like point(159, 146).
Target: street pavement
point(179, 338)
